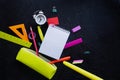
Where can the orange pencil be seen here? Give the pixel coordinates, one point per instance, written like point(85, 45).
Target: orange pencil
point(61, 59)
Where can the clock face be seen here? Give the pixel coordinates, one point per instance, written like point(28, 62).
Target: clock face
point(40, 19)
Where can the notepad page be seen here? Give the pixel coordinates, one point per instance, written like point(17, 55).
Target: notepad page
point(54, 41)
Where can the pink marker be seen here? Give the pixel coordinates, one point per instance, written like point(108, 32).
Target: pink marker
point(34, 41)
point(73, 43)
point(77, 28)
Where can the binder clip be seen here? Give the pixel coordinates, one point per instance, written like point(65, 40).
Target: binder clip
point(39, 64)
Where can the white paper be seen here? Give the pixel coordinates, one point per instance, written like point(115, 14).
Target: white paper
point(54, 41)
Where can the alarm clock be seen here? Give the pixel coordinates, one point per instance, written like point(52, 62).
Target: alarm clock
point(39, 17)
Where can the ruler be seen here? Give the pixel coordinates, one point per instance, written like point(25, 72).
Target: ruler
point(14, 39)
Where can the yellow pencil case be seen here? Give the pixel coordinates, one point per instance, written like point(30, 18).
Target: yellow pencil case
point(39, 64)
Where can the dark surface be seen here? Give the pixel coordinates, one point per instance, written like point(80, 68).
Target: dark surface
point(99, 19)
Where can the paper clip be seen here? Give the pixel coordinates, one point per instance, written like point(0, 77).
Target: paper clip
point(30, 37)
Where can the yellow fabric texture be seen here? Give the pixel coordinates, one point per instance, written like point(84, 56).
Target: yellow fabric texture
point(39, 64)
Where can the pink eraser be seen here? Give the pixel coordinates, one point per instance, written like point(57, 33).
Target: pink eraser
point(77, 28)
point(77, 61)
point(73, 43)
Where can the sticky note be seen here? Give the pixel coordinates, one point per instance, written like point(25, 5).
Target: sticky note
point(39, 64)
point(77, 28)
point(54, 41)
point(53, 20)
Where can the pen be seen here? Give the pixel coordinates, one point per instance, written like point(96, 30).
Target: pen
point(73, 43)
point(40, 33)
point(33, 38)
point(82, 71)
point(61, 59)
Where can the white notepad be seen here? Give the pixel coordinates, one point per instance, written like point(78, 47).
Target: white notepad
point(54, 41)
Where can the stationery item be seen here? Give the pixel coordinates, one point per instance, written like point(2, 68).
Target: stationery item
point(54, 10)
point(77, 28)
point(82, 71)
point(40, 33)
point(39, 64)
point(22, 35)
point(73, 43)
point(77, 61)
point(39, 17)
point(39, 44)
point(87, 52)
point(60, 60)
point(14, 39)
point(30, 37)
point(54, 41)
point(33, 38)
point(53, 20)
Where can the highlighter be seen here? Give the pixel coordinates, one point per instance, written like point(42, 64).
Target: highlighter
point(40, 33)
point(39, 64)
point(82, 71)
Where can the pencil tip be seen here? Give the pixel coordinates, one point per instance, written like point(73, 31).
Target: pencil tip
point(30, 28)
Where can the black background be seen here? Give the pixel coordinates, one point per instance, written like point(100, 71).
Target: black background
point(100, 22)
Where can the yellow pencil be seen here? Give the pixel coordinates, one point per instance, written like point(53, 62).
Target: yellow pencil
point(82, 71)
point(40, 33)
